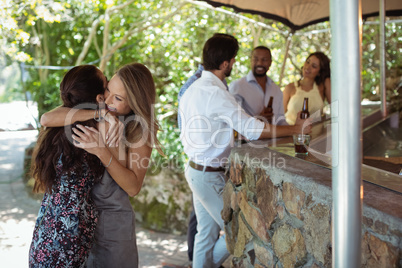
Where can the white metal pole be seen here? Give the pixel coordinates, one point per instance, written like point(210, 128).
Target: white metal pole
point(383, 89)
point(346, 23)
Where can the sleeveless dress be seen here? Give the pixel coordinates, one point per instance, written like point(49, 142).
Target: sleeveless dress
point(65, 227)
point(295, 104)
point(115, 240)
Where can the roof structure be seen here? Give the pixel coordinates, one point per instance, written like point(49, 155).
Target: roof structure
point(297, 14)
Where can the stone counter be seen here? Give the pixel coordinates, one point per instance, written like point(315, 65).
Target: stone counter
point(278, 209)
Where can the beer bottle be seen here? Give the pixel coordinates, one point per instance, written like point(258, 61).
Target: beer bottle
point(269, 107)
point(268, 110)
point(305, 113)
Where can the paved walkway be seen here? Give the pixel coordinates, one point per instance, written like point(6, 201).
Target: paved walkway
point(18, 211)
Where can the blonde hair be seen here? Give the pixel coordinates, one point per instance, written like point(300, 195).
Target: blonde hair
point(141, 93)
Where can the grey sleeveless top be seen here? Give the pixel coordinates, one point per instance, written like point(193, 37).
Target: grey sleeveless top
point(115, 241)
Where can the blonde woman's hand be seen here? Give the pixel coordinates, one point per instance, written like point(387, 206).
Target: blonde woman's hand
point(89, 139)
point(115, 132)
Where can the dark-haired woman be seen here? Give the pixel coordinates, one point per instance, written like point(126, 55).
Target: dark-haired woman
point(314, 85)
point(65, 227)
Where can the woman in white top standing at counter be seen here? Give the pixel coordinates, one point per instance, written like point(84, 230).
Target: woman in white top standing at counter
point(314, 85)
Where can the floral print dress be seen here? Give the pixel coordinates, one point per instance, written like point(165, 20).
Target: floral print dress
point(66, 222)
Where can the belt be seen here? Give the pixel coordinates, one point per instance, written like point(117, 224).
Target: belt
point(206, 169)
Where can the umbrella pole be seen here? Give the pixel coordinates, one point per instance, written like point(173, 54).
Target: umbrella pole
point(347, 191)
point(288, 41)
point(383, 88)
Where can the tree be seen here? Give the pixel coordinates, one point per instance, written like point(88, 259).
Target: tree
point(110, 46)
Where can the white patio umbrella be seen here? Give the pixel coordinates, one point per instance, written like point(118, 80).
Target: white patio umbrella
point(297, 14)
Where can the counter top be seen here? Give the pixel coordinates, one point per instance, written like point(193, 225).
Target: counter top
point(377, 183)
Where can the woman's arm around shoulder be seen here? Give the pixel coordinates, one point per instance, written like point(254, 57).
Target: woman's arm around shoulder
point(63, 116)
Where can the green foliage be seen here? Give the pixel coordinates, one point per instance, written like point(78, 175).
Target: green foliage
point(371, 56)
point(46, 94)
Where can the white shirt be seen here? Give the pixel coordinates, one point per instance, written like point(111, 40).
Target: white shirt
point(209, 114)
point(252, 98)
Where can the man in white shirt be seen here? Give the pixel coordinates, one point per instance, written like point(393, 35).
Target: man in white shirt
point(209, 113)
point(254, 90)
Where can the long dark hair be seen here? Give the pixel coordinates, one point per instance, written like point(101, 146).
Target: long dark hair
point(80, 85)
point(325, 70)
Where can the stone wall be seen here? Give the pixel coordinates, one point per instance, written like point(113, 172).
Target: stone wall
point(278, 214)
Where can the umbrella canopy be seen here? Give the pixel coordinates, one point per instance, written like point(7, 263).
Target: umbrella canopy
point(298, 14)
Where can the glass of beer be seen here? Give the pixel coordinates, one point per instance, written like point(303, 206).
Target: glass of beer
point(301, 142)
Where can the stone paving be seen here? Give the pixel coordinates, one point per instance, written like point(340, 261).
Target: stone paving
point(18, 211)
